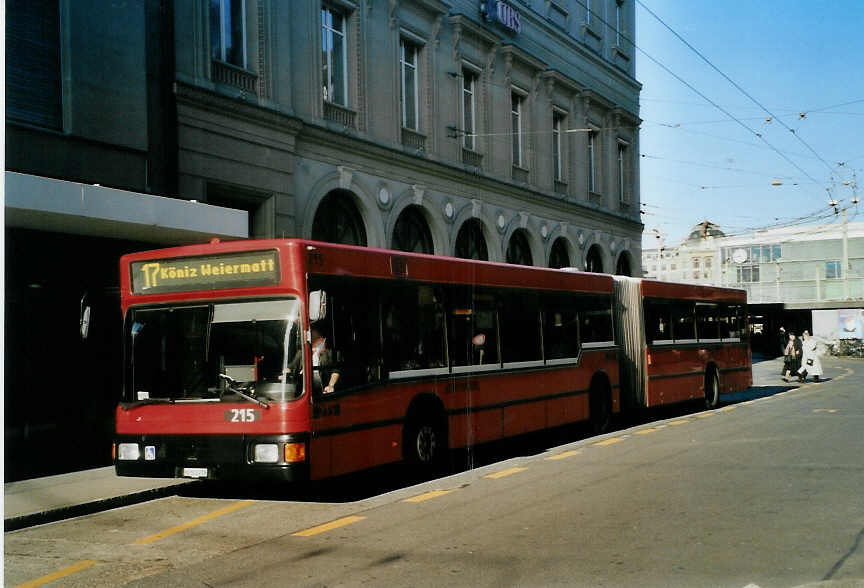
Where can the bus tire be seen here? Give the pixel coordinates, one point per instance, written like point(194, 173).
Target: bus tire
point(425, 445)
point(712, 389)
point(600, 406)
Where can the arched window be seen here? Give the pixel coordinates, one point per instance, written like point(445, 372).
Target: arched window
point(559, 257)
point(622, 268)
point(470, 242)
point(518, 249)
point(411, 232)
point(594, 260)
point(337, 220)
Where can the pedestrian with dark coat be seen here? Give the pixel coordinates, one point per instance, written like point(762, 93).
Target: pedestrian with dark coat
point(782, 339)
point(791, 357)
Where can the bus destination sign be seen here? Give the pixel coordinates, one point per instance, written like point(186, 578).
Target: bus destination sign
point(210, 272)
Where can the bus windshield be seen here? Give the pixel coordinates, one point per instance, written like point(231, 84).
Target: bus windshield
point(178, 353)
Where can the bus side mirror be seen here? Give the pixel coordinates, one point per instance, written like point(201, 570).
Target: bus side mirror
point(84, 318)
point(317, 305)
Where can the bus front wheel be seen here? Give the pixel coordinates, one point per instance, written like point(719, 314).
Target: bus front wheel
point(425, 446)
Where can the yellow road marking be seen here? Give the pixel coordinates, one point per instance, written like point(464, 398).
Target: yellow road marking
point(829, 410)
point(647, 431)
point(427, 496)
point(681, 422)
point(504, 473)
point(705, 415)
point(74, 568)
point(193, 522)
point(328, 526)
point(726, 409)
point(565, 454)
point(609, 441)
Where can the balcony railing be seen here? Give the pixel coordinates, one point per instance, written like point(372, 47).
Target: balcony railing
point(339, 114)
point(520, 174)
point(413, 140)
point(231, 75)
point(472, 158)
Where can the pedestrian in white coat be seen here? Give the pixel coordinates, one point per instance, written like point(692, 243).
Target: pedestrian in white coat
point(810, 363)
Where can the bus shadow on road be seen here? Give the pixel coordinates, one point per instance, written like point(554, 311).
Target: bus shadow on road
point(756, 392)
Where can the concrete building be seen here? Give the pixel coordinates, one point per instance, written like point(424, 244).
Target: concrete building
point(494, 130)
point(788, 272)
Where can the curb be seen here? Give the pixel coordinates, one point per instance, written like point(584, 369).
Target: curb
point(77, 510)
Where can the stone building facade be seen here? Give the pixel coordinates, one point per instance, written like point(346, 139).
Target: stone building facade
point(418, 125)
point(500, 130)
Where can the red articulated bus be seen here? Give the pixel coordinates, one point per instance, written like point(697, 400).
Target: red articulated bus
point(681, 342)
point(292, 359)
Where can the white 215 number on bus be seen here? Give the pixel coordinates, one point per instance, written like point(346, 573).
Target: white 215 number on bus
point(242, 415)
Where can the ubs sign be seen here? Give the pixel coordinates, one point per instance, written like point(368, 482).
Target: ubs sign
point(500, 11)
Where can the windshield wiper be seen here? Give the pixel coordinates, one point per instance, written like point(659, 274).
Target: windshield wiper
point(145, 401)
point(234, 386)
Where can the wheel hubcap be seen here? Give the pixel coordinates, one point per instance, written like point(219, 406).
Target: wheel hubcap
point(426, 443)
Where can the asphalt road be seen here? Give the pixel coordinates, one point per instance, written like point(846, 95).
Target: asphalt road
point(767, 490)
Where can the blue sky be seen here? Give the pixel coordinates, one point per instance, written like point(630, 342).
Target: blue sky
point(795, 58)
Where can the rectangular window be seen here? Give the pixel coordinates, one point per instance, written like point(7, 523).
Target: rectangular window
point(623, 174)
point(587, 12)
point(469, 80)
point(595, 326)
point(557, 118)
point(756, 254)
point(520, 328)
point(619, 21)
point(706, 322)
point(592, 161)
point(516, 127)
point(658, 318)
point(747, 274)
point(228, 31)
point(334, 74)
point(833, 270)
point(408, 70)
point(33, 73)
point(472, 330)
point(683, 322)
point(775, 252)
point(412, 324)
point(560, 328)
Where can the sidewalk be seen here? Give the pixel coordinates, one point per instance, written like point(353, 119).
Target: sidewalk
point(42, 500)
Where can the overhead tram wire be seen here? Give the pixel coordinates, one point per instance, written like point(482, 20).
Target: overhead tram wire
point(737, 86)
point(700, 94)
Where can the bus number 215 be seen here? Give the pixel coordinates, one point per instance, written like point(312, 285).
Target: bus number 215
point(242, 415)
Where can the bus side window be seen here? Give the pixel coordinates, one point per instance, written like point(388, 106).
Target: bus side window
point(683, 321)
point(473, 328)
point(560, 327)
point(724, 321)
point(596, 313)
point(352, 331)
point(520, 327)
point(413, 328)
point(706, 321)
point(658, 320)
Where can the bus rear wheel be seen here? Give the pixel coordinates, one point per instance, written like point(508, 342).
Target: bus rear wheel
point(712, 390)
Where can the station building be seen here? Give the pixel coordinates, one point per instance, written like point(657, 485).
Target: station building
point(799, 277)
point(499, 130)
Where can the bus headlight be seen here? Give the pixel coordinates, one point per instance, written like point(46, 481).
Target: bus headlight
point(266, 453)
point(128, 451)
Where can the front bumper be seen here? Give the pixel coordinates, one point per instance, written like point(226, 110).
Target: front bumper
point(211, 457)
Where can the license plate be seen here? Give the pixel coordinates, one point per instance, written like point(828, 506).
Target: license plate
point(194, 472)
